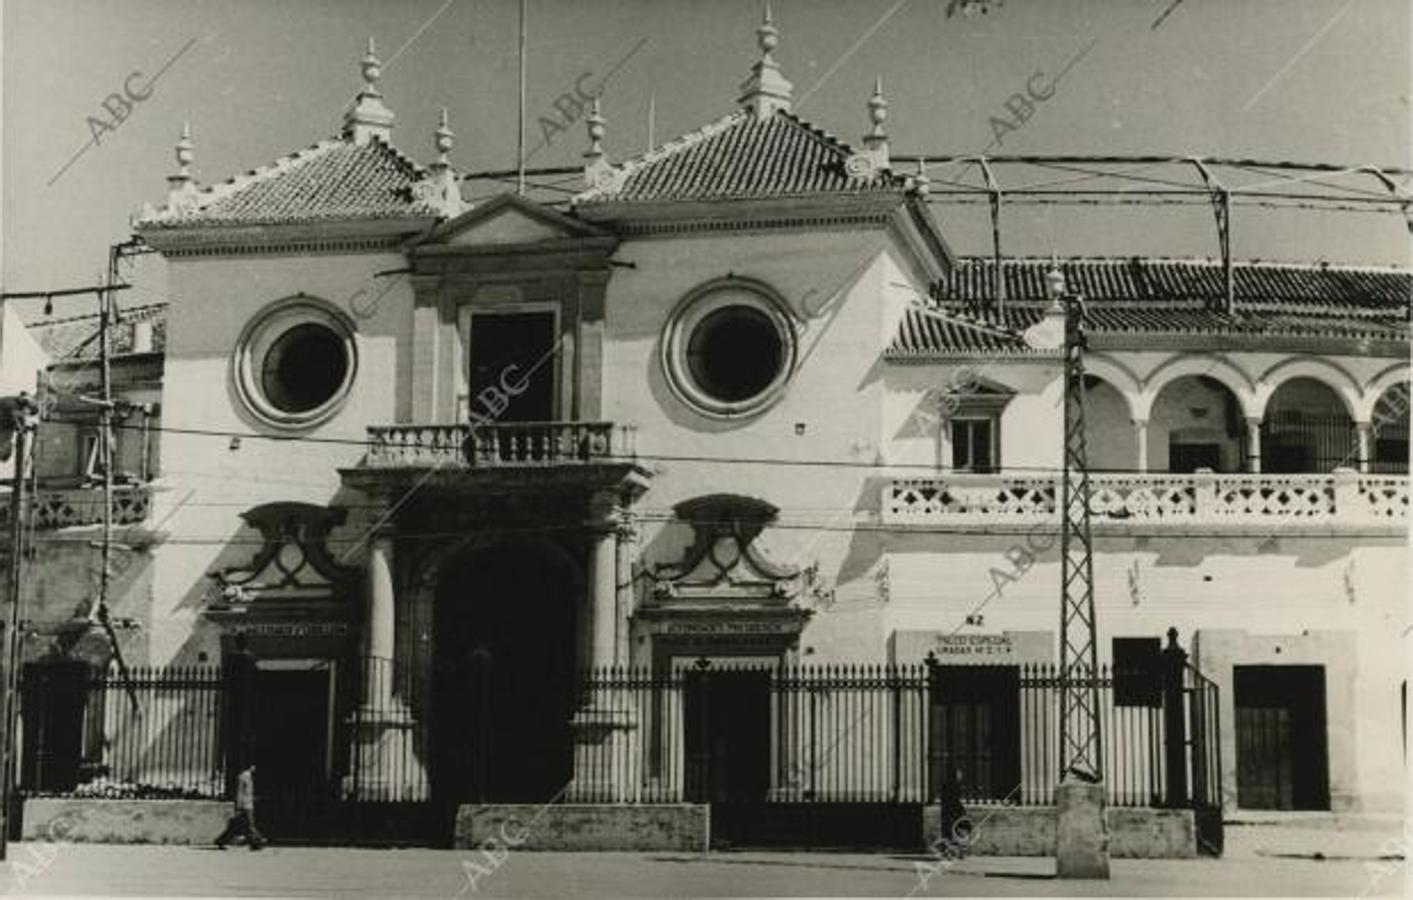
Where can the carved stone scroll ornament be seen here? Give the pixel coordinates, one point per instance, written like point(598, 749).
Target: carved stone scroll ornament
point(723, 563)
point(292, 565)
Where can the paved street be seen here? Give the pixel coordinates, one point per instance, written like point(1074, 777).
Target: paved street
point(87, 870)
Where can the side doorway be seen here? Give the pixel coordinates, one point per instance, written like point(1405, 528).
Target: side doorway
point(292, 705)
point(1281, 739)
point(727, 736)
point(975, 731)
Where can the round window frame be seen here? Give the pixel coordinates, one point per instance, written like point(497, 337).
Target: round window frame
point(690, 313)
point(261, 333)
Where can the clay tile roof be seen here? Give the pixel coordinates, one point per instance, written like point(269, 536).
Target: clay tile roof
point(741, 156)
point(1158, 296)
point(333, 179)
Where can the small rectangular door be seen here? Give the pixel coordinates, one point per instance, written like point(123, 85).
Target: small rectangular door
point(974, 730)
point(1281, 742)
point(291, 733)
point(727, 736)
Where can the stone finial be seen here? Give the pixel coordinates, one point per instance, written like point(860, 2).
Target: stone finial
point(181, 187)
point(443, 138)
point(766, 90)
point(921, 183)
point(876, 140)
point(368, 117)
point(596, 164)
point(1055, 285)
point(441, 188)
point(1049, 332)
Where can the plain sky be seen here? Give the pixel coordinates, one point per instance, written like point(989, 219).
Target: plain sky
point(1302, 80)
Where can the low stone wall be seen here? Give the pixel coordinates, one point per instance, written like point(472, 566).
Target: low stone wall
point(1134, 832)
point(84, 820)
point(644, 827)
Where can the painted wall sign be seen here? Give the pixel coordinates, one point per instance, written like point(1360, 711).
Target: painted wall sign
point(909, 646)
point(731, 629)
point(292, 629)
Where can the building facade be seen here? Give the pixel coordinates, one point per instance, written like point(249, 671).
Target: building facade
point(738, 403)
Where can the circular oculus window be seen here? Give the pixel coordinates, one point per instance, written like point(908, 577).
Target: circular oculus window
point(729, 349)
point(295, 363)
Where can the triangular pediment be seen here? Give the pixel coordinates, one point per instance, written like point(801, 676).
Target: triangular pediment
point(511, 220)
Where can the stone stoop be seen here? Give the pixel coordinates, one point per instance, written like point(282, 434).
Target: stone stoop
point(100, 821)
point(1134, 832)
point(681, 827)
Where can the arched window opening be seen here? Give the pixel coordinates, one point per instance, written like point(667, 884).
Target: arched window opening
point(1389, 432)
point(1196, 423)
point(1306, 428)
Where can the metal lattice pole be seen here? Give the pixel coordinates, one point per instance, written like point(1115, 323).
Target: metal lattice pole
point(1081, 753)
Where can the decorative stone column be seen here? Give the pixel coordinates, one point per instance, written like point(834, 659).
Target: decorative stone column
point(384, 765)
point(1364, 432)
point(603, 596)
point(605, 729)
point(1140, 431)
point(1253, 444)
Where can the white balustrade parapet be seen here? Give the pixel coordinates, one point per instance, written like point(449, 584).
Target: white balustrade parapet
point(1341, 498)
point(497, 445)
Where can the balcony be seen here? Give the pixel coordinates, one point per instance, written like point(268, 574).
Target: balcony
point(1343, 499)
point(79, 506)
point(517, 444)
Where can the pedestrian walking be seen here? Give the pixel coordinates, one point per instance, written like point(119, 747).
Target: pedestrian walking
point(242, 822)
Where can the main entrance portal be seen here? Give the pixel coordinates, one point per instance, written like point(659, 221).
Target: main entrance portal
point(505, 653)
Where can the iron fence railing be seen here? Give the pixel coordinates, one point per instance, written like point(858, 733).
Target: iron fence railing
point(886, 734)
point(758, 733)
point(184, 732)
point(87, 732)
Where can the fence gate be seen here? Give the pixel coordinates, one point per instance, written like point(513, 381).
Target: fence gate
point(335, 748)
point(825, 758)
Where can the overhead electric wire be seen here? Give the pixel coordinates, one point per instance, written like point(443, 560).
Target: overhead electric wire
point(607, 458)
point(1008, 530)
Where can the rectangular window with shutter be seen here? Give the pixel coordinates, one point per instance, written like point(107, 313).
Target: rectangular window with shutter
point(974, 444)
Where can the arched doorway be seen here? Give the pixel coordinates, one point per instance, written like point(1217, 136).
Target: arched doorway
point(1389, 426)
point(505, 657)
point(1196, 423)
point(1306, 428)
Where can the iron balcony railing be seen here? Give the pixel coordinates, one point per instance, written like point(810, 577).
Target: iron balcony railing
point(1342, 498)
point(499, 444)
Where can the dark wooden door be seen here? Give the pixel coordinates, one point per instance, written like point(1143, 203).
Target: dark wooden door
point(53, 706)
point(1281, 742)
point(727, 736)
point(974, 731)
point(291, 715)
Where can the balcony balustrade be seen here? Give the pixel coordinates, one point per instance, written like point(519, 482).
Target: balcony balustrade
point(498, 445)
point(77, 506)
point(1342, 498)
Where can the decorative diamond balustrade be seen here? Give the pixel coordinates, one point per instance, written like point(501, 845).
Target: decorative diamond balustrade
point(1383, 497)
point(71, 507)
point(507, 444)
point(1343, 498)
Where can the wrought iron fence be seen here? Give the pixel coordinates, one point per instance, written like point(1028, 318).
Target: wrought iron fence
point(86, 732)
point(887, 734)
